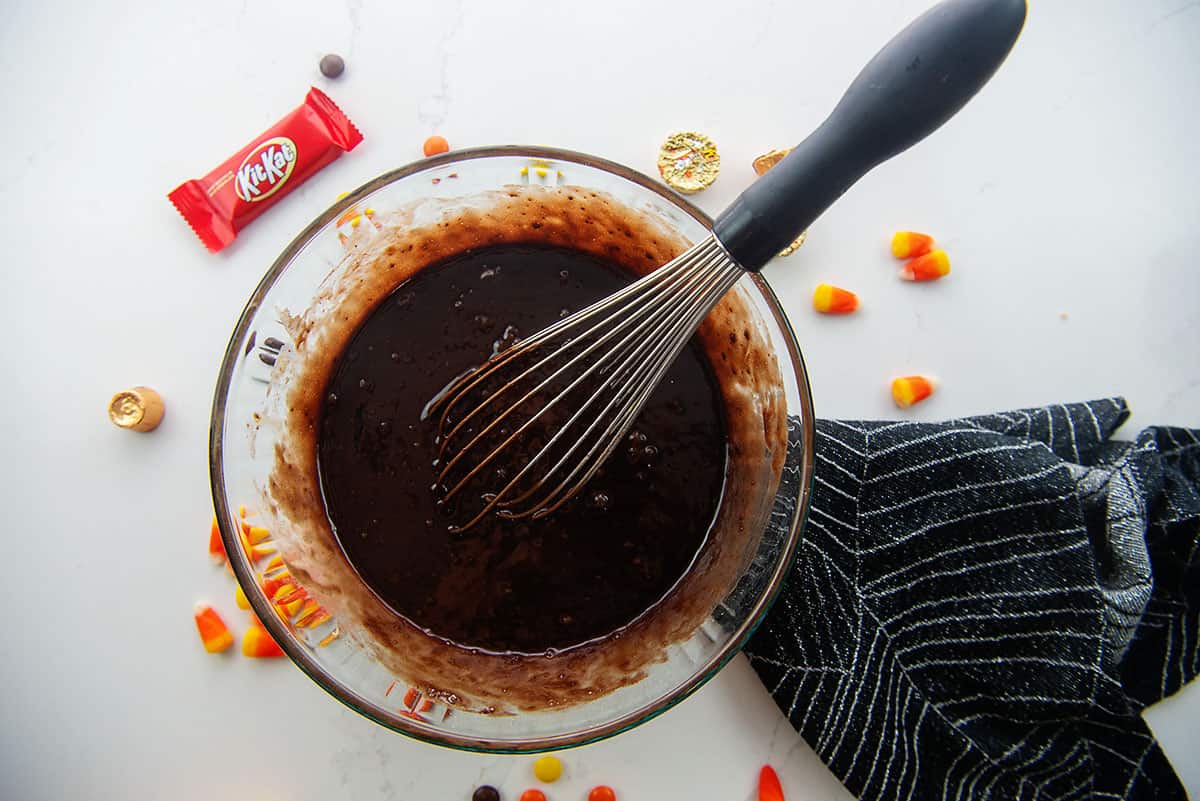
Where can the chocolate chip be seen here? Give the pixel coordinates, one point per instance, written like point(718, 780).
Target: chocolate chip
point(332, 66)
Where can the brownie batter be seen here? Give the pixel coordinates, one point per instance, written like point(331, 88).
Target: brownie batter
point(509, 586)
point(409, 241)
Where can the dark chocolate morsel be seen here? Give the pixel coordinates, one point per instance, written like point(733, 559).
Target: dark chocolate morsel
point(332, 66)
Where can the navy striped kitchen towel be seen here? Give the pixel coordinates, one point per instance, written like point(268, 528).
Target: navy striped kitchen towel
point(981, 608)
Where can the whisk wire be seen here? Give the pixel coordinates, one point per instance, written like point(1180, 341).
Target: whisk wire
point(647, 322)
point(639, 342)
point(641, 311)
point(629, 399)
point(621, 299)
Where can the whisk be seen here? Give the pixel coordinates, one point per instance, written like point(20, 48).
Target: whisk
point(534, 423)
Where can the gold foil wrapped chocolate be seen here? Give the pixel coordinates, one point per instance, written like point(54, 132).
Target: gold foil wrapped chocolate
point(137, 409)
point(688, 161)
point(768, 160)
point(765, 162)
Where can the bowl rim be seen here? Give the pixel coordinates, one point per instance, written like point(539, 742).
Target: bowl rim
point(300, 656)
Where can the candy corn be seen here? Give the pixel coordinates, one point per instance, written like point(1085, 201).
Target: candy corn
point(257, 552)
point(910, 244)
point(290, 608)
point(288, 593)
point(239, 596)
point(216, 548)
point(829, 299)
point(257, 643)
point(320, 618)
point(911, 389)
point(768, 785)
point(257, 534)
point(307, 613)
point(929, 267)
point(213, 631)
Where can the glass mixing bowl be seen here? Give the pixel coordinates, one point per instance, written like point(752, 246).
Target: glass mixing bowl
point(335, 655)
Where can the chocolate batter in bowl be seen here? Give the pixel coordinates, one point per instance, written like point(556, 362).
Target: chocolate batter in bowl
point(521, 636)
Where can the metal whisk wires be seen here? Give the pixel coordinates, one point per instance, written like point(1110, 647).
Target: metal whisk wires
point(514, 411)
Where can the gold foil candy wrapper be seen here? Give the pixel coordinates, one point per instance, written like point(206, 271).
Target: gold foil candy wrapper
point(137, 409)
point(768, 160)
point(688, 162)
point(796, 243)
point(765, 162)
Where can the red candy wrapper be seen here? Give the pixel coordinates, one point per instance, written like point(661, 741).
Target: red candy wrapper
point(281, 158)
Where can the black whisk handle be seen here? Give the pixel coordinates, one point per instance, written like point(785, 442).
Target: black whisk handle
point(915, 84)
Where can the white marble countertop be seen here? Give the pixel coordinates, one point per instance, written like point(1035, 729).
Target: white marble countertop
point(1068, 188)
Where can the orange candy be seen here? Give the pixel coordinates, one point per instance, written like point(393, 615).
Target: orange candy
point(272, 585)
point(216, 548)
point(829, 299)
point(768, 785)
point(213, 631)
point(533, 794)
point(257, 552)
point(257, 534)
point(434, 145)
point(602, 793)
point(290, 608)
point(911, 389)
point(257, 642)
point(910, 244)
point(307, 612)
point(929, 267)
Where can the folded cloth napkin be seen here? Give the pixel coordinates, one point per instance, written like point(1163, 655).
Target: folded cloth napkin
point(981, 608)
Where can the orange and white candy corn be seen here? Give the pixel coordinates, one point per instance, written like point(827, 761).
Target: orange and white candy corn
point(257, 642)
point(216, 548)
point(829, 299)
point(257, 534)
point(912, 389)
point(910, 244)
point(213, 631)
point(929, 267)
